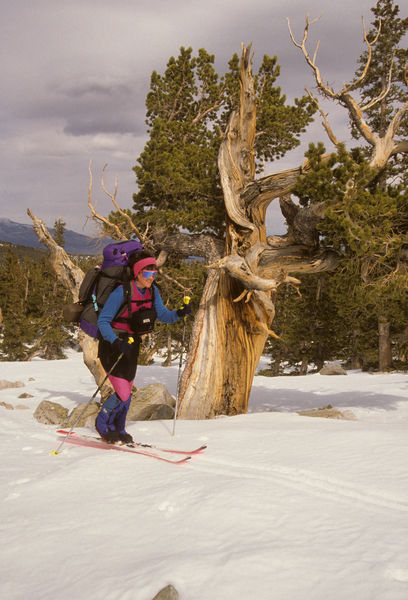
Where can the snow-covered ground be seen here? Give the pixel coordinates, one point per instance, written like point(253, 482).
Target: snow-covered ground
point(279, 506)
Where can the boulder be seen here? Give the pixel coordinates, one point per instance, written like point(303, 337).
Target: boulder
point(333, 369)
point(328, 412)
point(7, 405)
point(11, 407)
point(160, 412)
point(4, 384)
point(50, 413)
point(151, 402)
point(167, 593)
point(26, 395)
point(86, 420)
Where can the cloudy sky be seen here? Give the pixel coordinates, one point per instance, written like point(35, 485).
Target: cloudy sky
point(75, 74)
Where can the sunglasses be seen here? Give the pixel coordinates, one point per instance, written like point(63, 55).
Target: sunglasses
point(148, 274)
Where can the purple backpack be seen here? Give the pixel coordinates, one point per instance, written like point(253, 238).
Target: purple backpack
point(99, 282)
point(117, 254)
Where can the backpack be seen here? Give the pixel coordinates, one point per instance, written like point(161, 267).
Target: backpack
point(99, 282)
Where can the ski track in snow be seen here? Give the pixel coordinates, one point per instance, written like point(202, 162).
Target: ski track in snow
point(302, 480)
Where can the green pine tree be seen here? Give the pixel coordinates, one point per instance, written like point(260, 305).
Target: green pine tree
point(31, 303)
point(187, 111)
point(310, 329)
point(59, 232)
point(45, 310)
point(17, 330)
point(366, 223)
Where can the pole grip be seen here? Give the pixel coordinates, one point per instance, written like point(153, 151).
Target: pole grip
point(186, 300)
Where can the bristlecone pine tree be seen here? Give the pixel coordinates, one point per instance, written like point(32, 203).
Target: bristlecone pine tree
point(188, 108)
point(367, 224)
point(237, 306)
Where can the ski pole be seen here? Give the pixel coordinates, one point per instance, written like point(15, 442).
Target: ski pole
point(186, 300)
point(58, 450)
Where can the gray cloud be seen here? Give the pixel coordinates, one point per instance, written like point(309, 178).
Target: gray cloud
point(75, 76)
point(96, 89)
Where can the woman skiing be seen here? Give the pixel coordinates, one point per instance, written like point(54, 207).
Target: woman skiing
point(121, 320)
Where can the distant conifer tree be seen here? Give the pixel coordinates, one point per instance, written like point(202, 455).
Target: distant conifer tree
point(59, 232)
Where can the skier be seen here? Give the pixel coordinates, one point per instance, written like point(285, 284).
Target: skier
point(117, 332)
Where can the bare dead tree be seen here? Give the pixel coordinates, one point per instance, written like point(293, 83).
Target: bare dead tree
point(383, 146)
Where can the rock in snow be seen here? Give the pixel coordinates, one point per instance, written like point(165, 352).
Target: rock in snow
point(4, 384)
point(332, 369)
point(50, 413)
point(167, 593)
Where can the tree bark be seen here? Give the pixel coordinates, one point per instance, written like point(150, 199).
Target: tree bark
point(276, 365)
point(167, 360)
point(304, 366)
point(224, 352)
point(384, 344)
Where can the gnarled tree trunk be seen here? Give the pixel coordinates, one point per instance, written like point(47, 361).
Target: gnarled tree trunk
point(224, 351)
point(237, 305)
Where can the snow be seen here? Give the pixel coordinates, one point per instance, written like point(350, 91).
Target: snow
point(278, 507)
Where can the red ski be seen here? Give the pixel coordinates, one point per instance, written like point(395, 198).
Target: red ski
point(170, 450)
point(140, 445)
point(91, 442)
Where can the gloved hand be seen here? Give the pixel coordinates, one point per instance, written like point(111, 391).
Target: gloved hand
point(186, 308)
point(122, 347)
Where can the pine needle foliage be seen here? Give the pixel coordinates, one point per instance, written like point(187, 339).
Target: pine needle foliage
point(188, 107)
point(31, 303)
point(366, 223)
point(311, 330)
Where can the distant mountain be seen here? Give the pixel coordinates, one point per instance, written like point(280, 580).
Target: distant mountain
point(75, 243)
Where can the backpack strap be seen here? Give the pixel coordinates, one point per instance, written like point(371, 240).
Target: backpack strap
point(127, 302)
point(151, 299)
point(127, 295)
point(88, 284)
